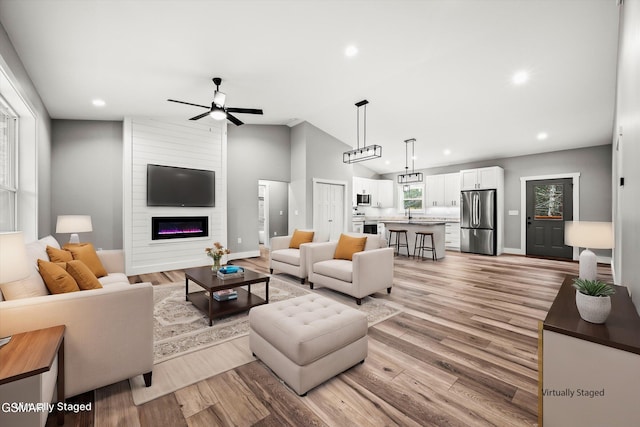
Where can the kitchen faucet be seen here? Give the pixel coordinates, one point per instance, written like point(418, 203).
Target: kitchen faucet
point(409, 214)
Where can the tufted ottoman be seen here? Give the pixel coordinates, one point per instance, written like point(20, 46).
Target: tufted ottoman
point(308, 339)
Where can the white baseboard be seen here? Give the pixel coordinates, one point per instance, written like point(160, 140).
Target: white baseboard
point(513, 251)
point(240, 255)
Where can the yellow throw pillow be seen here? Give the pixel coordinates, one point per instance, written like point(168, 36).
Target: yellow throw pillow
point(300, 237)
point(58, 255)
point(83, 276)
point(348, 245)
point(87, 254)
point(58, 281)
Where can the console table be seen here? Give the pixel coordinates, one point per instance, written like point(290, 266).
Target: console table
point(589, 373)
point(22, 361)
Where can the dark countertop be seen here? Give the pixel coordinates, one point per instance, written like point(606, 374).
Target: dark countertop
point(621, 330)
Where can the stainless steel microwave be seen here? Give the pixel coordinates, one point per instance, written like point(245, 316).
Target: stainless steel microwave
point(364, 199)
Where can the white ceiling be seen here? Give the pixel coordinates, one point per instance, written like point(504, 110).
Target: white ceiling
point(435, 70)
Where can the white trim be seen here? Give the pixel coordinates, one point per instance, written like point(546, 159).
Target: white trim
point(513, 251)
point(241, 255)
point(575, 176)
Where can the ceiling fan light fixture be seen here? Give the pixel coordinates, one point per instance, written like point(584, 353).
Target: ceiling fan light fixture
point(218, 113)
point(219, 98)
point(367, 152)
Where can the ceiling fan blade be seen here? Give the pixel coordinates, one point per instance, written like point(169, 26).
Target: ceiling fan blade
point(245, 110)
point(234, 119)
point(199, 116)
point(188, 103)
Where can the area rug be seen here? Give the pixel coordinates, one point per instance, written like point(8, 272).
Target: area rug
point(187, 350)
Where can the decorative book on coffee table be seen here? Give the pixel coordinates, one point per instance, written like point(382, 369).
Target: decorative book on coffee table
point(225, 295)
point(230, 272)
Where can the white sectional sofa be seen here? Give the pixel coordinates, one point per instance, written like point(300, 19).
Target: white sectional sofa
point(109, 331)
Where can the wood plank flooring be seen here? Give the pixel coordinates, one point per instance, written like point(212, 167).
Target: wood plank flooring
point(462, 353)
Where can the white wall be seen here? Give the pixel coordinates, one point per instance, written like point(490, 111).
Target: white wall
point(181, 144)
point(626, 153)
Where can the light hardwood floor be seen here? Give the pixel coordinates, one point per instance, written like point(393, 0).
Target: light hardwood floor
point(462, 353)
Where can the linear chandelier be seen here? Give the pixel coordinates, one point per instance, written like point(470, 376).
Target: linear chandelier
point(406, 177)
point(366, 152)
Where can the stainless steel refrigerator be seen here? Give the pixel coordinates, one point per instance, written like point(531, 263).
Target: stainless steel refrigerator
point(478, 221)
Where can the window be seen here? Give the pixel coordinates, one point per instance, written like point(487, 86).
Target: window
point(412, 196)
point(8, 169)
point(549, 201)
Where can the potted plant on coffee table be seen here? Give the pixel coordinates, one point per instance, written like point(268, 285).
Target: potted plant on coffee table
point(593, 299)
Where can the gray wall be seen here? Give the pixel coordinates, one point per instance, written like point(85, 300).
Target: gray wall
point(11, 64)
point(86, 164)
point(254, 152)
point(593, 163)
point(626, 152)
point(324, 160)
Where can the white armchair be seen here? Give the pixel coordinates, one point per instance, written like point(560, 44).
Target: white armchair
point(368, 272)
point(290, 260)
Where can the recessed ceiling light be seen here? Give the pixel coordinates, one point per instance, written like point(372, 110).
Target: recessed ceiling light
point(520, 77)
point(542, 136)
point(351, 51)
point(446, 152)
point(98, 103)
point(387, 162)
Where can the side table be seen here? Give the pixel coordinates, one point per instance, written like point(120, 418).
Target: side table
point(26, 356)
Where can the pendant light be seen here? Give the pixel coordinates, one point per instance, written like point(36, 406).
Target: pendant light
point(366, 152)
point(406, 177)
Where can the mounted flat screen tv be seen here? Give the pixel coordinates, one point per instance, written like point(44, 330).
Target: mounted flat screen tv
point(173, 186)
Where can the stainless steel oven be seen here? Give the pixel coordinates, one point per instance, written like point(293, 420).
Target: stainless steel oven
point(370, 228)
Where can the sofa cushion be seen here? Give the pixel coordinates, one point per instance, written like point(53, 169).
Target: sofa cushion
point(83, 276)
point(288, 256)
point(86, 253)
point(56, 278)
point(299, 237)
point(113, 278)
point(58, 255)
point(49, 241)
point(340, 269)
point(348, 245)
point(32, 286)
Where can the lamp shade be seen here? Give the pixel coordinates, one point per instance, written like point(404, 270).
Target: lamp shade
point(74, 224)
point(13, 257)
point(589, 234)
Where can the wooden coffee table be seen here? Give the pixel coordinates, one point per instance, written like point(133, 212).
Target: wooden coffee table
point(210, 282)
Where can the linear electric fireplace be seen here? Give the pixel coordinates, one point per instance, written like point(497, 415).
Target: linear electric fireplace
point(179, 227)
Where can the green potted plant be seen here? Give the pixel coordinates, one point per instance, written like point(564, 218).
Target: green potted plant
point(593, 299)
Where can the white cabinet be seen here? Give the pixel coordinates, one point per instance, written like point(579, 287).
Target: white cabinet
point(383, 194)
point(443, 190)
point(452, 235)
point(482, 178)
point(435, 190)
point(380, 190)
point(452, 189)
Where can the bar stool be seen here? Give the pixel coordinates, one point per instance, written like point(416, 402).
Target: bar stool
point(421, 235)
point(399, 232)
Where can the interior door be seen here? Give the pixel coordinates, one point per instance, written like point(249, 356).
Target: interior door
point(549, 205)
point(328, 209)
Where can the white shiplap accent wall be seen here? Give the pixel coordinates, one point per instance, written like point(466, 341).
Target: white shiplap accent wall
point(181, 144)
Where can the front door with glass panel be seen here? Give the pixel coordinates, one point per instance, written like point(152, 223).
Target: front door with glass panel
point(549, 205)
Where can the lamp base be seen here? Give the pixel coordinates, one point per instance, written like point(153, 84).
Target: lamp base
point(74, 239)
point(588, 265)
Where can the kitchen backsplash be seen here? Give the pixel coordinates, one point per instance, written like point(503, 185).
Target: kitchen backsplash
point(432, 212)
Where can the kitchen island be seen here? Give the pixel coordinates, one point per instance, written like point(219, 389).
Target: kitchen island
point(436, 227)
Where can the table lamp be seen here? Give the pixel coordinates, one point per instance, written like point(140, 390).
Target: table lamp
point(588, 235)
point(74, 224)
point(13, 257)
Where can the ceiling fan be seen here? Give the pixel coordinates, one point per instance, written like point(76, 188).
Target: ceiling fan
point(218, 110)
